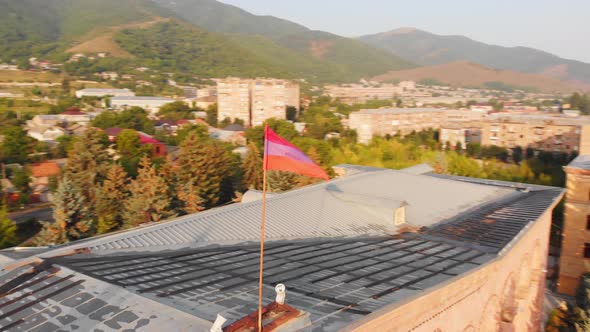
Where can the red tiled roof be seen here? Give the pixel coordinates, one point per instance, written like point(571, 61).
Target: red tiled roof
point(45, 169)
point(73, 111)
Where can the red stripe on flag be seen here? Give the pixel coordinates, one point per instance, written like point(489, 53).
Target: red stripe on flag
point(280, 163)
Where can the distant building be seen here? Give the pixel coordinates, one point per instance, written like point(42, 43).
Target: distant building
point(397, 121)
point(41, 174)
point(254, 101)
point(360, 94)
point(538, 132)
point(104, 93)
point(270, 99)
point(460, 133)
point(150, 104)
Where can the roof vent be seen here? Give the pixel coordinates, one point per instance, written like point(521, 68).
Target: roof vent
point(280, 289)
point(218, 324)
point(400, 214)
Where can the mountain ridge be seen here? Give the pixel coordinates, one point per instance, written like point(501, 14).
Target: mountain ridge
point(426, 48)
point(468, 74)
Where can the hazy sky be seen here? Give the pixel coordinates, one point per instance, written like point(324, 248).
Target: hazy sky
point(560, 27)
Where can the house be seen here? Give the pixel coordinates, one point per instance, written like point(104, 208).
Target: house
point(382, 250)
point(74, 115)
point(158, 148)
point(41, 175)
point(233, 133)
point(46, 134)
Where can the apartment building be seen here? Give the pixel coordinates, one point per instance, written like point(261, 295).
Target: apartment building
point(402, 121)
point(254, 101)
point(548, 133)
point(360, 94)
point(270, 98)
point(460, 134)
point(100, 93)
point(233, 99)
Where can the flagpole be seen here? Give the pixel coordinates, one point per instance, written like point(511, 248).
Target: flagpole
point(262, 230)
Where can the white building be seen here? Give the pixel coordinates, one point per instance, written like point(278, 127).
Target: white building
point(104, 92)
point(150, 104)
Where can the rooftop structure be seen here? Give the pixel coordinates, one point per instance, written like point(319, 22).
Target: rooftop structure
point(355, 253)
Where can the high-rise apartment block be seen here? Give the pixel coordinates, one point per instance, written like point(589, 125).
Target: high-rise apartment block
point(254, 101)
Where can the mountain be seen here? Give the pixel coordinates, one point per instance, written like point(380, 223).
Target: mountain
point(425, 48)
point(467, 74)
point(193, 37)
point(219, 17)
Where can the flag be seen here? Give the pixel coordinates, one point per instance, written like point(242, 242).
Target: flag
point(280, 155)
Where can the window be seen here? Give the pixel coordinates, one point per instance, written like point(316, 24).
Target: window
point(586, 250)
point(588, 222)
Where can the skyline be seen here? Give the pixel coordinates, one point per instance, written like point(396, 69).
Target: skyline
point(506, 23)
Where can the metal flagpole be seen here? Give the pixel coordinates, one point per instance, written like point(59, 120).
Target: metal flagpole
point(262, 230)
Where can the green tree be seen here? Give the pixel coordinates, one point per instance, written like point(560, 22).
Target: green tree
point(16, 146)
point(148, 198)
point(70, 211)
point(111, 197)
point(128, 144)
point(177, 110)
point(212, 115)
point(133, 118)
point(88, 163)
point(8, 236)
point(253, 171)
point(188, 194)
point(205, 165)
point(21, 179)
point(279, 181)
point(283, 128)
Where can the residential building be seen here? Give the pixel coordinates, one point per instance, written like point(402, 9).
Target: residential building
point(575, 248)
point(382, 250)
point(233, 99)
point(270, 99)
point(100, 93)
point(150, 104)
point(397, 121)
point(463, 115)
point(41, 175)
point(254, 101)
point(361, 93)
point(538, 132)
point(460, 134)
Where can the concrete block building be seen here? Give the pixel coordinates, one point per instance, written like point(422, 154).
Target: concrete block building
point(547, 133)
point(254, 101)
point(402, 121)
point(377, 250)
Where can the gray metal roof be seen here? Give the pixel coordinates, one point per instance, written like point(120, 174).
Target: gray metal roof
point(581, 162)
point(356, 205)
point(337, 272)
point(141, 98)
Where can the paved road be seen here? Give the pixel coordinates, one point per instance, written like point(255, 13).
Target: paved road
point(42, 214)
